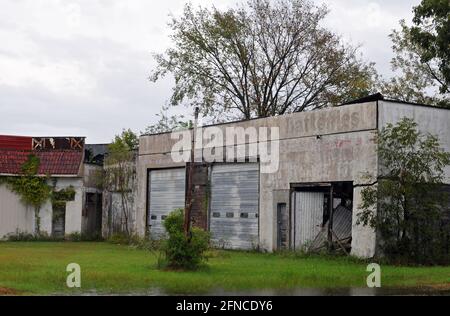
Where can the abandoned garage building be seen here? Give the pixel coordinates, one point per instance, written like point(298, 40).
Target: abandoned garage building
point(325, 159)
point(62, 160)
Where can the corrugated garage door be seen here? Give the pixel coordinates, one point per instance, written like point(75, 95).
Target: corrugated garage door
point(167, 192)
point(235, 205)
point(308, 216)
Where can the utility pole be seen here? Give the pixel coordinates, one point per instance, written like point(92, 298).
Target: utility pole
point(189, 196)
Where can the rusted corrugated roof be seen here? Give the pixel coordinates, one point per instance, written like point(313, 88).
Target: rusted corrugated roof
point(15, 142)
point(54, 162)
point(58, 155)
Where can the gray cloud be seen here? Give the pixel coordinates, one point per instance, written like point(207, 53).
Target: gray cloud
point(80, 67)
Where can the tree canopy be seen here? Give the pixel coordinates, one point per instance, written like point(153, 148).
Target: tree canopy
point(408, 205)
point(261, 59)
point(422, 54)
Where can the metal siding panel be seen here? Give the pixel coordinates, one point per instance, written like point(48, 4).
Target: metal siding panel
point(308, 217)
point(342, 222)
point(167, 193)
point(235, 189)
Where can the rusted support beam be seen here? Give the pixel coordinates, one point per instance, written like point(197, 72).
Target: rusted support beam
point(189, 195)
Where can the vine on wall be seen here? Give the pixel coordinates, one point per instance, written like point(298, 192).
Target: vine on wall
point(34, 190)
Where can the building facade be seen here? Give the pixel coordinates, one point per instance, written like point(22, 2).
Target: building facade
point(62, 161)
point(324, 159)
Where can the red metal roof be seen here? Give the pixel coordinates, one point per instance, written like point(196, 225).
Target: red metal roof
point(54, 162)
point(15, 142)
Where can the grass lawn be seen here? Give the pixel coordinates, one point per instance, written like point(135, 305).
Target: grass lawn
point(40, 268)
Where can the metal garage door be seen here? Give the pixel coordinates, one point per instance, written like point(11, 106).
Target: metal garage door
point(235, 205)
point(167, 192)
point(308, 216)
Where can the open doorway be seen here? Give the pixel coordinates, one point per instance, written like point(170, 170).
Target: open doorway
point(59, 220)
point(322, 216)
point(93, 212)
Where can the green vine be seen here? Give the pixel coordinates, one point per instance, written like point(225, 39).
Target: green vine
point(61, 197)
point(34, 190)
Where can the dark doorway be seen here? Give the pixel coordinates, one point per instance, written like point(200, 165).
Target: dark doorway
point(59, 220)
point(283, 226)
point(94, 214)
point(322, 216)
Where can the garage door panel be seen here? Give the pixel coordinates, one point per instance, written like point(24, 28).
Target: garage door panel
point(167, 193)
point(235, 190)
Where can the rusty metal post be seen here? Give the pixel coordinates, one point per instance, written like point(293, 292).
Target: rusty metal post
point(189, 199)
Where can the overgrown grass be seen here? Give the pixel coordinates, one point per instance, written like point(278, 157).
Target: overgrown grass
point(40, 268)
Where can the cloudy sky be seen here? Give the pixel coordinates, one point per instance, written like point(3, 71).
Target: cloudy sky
point(80, 67)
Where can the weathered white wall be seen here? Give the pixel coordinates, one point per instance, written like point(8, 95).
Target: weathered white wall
point(46, 216)
point(15, 216)
point(113, 219)
point(363, 237)
point(73, 208)
point(91, 174)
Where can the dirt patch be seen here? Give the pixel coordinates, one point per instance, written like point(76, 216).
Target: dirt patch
point(440, 286)
point(8, 291)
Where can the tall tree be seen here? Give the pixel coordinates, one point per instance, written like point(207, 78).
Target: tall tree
point(408, 205)
point(167, 122)
point(431, 33)
point(120, 172)
point(263, 59)
point(422, 56)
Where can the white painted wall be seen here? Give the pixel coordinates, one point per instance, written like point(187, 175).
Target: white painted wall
point(14, 215)
point(73, 208)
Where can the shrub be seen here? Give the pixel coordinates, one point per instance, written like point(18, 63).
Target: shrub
point(24, 236)
point(43, 236)
point(408, 206)
point(119, 239)
point(20, 236)
point(77, 237)
point(183, 252)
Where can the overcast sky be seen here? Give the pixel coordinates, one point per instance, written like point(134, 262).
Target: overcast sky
point(80, 67)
